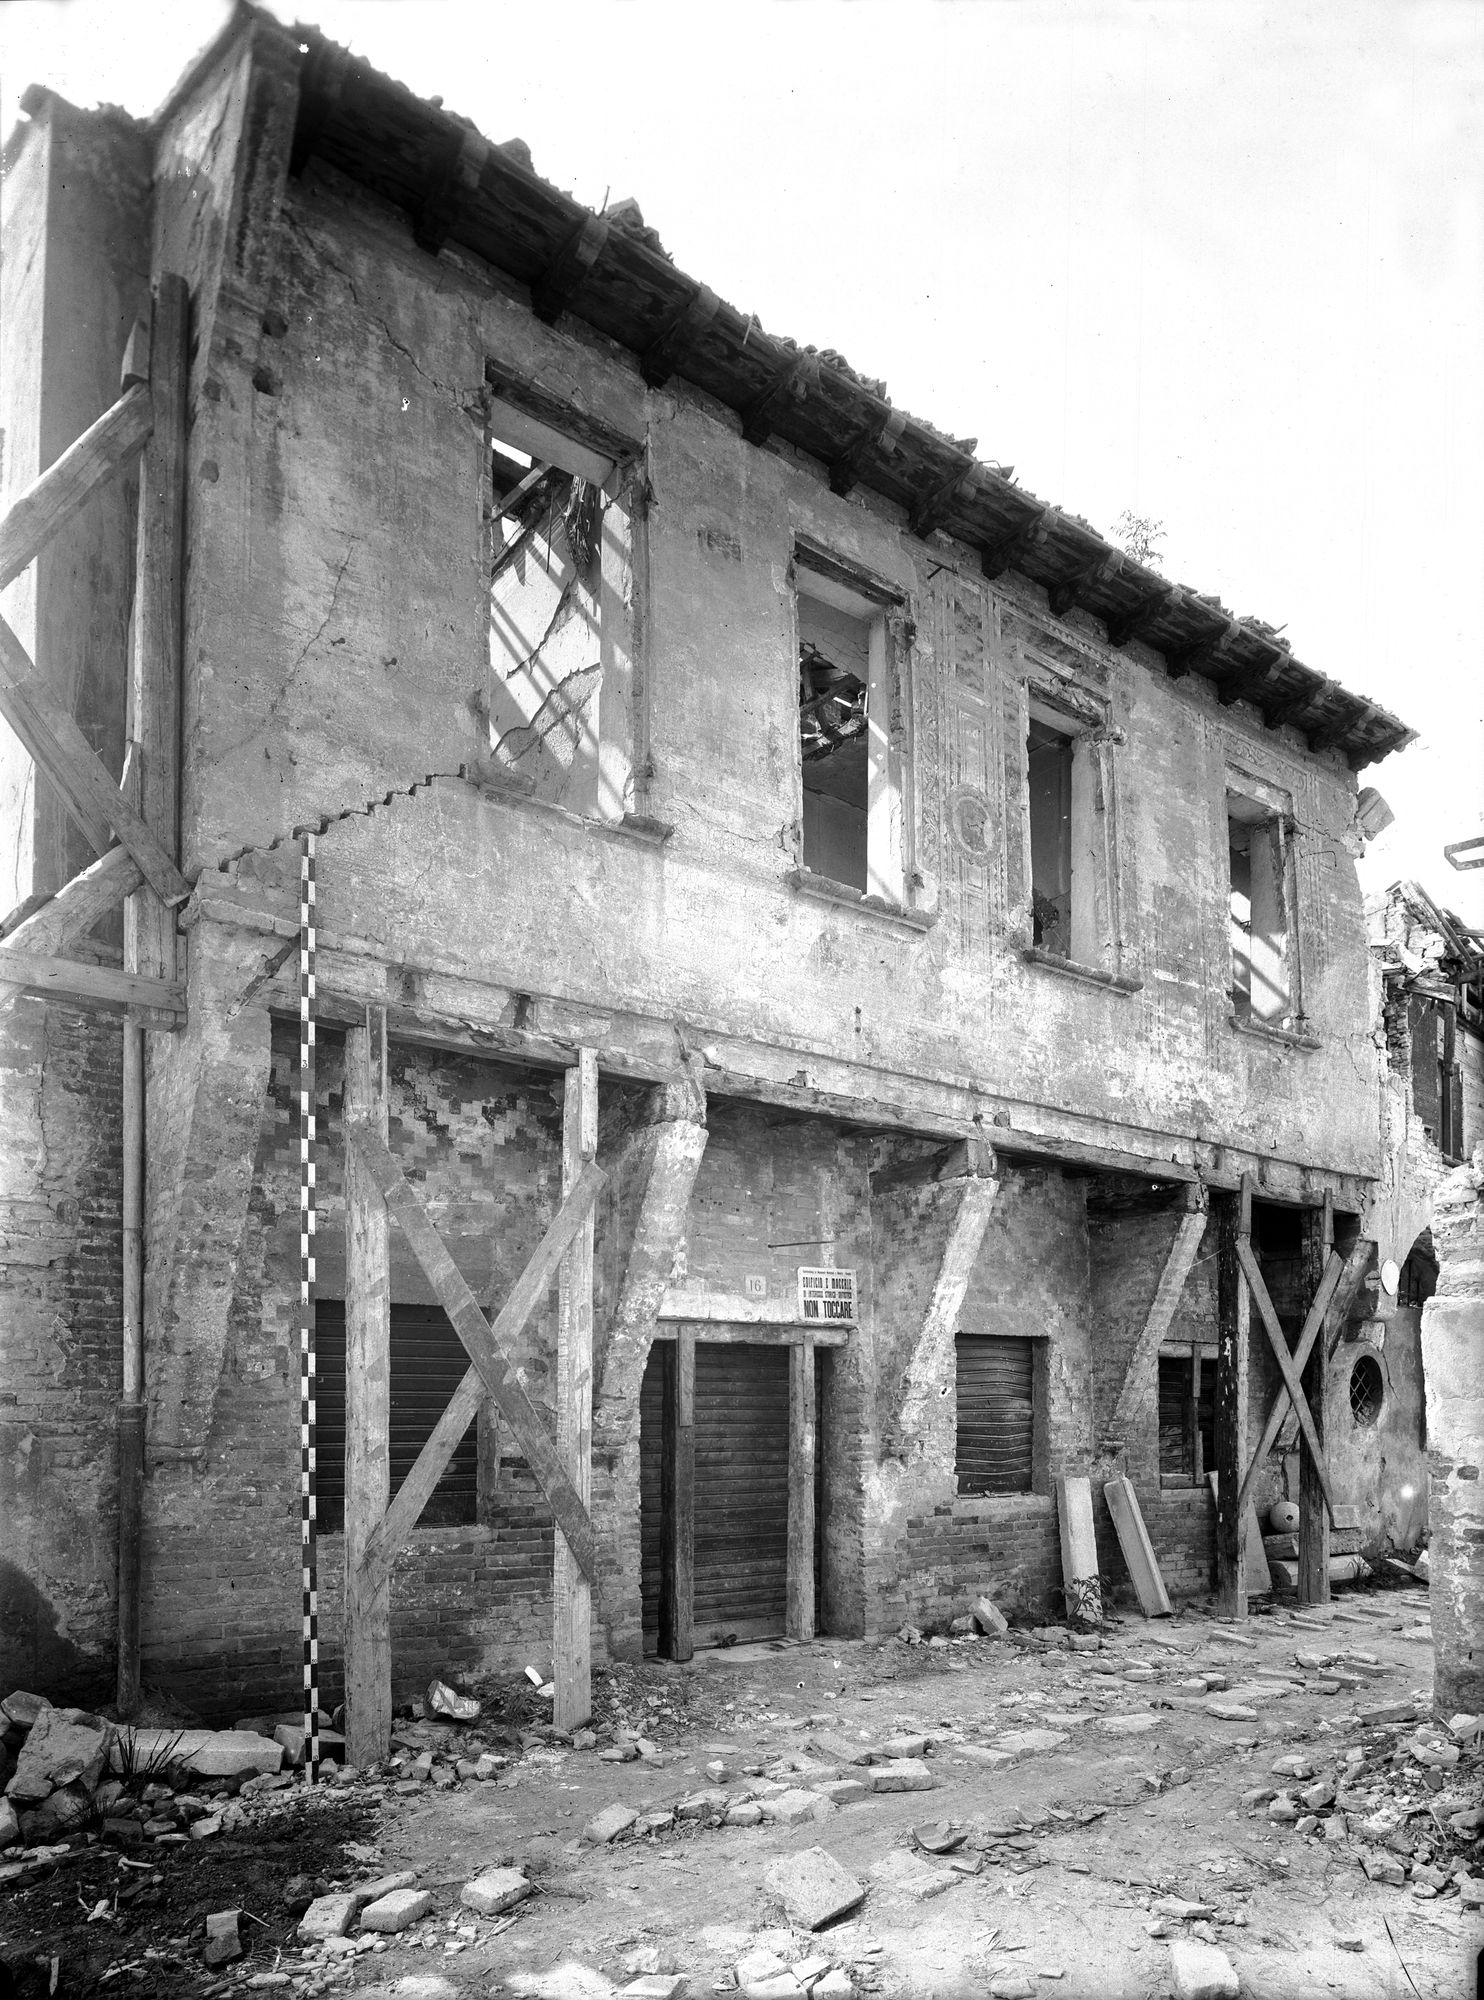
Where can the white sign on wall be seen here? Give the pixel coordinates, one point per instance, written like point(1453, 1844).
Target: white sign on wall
point(826, 1294)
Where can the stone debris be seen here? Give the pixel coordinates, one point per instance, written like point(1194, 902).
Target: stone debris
point(327, 1917)
point(939, 1837)
point(790, 1808)
point(902, 1774)
point(658, 1986)
point(988, 1616)
point(63, 1746)
point(398, 1911)
point(1017, 1743)
point(903, 1874)
point(1011, 1984)
point(10, 1826)
point(495, 1890)
point(1202, 1971)
point(222, 1941)
point(813, 1888)
point(443, 1700)
point(608, 1825)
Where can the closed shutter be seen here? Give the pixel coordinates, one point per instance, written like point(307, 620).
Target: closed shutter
point(741, 1527)
point(996, 1414)
point(428, 1363)
point(1176, 1464)
point(651, 1494)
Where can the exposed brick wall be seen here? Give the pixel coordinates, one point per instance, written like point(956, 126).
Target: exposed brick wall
point(61, 1312)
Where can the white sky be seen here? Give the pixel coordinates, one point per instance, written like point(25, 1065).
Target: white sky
point(1220, 263)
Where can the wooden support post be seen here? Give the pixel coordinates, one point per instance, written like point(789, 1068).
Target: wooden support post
point(1314, 1516)
point(368, 1405)
point(572, 1601)
point(678, 1499)
point(1233, 1311)
point(802, 1425)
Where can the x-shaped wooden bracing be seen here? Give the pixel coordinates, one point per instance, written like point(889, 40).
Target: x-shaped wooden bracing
point(1337, 1288)
point(489, 1347)
point(47, 730)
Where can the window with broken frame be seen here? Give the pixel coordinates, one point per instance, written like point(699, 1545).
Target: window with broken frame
point(561, 520)
point(852, 640)
point(1263, 898)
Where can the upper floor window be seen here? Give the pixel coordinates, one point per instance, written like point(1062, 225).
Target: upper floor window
point(1264, 962)
point(1070, 827)
point(851, 819)
point(560, 615)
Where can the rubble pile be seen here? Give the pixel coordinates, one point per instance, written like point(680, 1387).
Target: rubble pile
point(53, 1761)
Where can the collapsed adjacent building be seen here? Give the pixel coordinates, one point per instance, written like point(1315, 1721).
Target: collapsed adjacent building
point(862, 981)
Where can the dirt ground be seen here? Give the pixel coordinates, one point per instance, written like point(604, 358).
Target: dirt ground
point(1139, 1791)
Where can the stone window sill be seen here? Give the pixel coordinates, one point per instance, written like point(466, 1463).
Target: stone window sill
point(632, 827)
point(1088, 975)
point(1271, 1033)
point(804, 882)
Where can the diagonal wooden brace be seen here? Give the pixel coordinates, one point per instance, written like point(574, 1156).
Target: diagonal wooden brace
point(50, 502)
point(1332, 1301)
point(488, 1348)
point(1252, 1272)
point(1167, 1294)
point(52, 738)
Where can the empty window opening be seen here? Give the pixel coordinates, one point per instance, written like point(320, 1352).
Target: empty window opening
point(1261, 985)
point(1367, 1391)
point(428, 1362)
point(1070, 882)
point(851, 814)
point(1187, 1418)
point(558, 551)
point(997, 1393)
point(1049, 768)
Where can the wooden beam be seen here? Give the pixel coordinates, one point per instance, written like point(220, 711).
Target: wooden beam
point(1204, 653)
point(932, 508)
point(678, 1501)
point(559, 282)
point(666, 351)
point(1234, 1221)
point(802, 1445)
point(450, 177)
point(882, 433)
point(322, 77)
point(1069, 589)
point(1314, 1519)
point(59, 921)
point(757, 416)
point(368, 1404)
point(930, 1362)
point(52, 739)
point(69, 482)
point(1343, 1277)
point(162, 1001)
point(1125, 625)
point(995, 559)
point(489, 1348)
point(1252, 1272)
point(152, 722)
point(1167, 1294)
point(572, 1604)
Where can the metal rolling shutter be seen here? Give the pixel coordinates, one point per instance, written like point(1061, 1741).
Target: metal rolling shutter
point(741, 1533)
point(428, 1363)
point(996, 1421)
point(651, 1496)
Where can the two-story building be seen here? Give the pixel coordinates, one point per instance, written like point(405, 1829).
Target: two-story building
point(929, 919)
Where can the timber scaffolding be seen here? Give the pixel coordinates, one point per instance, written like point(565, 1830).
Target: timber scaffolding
point(461, 190)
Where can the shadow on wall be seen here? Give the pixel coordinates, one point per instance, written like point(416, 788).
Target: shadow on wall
point(33, 1653)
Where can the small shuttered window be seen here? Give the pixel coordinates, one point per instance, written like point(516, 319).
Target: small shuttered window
point(996, 1414)
point(1187, 1417)
point(428, 1363)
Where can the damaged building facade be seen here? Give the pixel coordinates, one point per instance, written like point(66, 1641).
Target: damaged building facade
point(941, 932)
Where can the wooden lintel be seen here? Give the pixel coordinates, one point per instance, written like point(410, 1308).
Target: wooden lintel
point(1126, 625)
point(52, 739)
point(881, 433)
point(995, 559)
point(757, 416)
point(558, 283)
point(933, 507)
point(163, 1001)
point(670, 345)
point(488, 1347)
point(1070, 589)
point(69, 482)
point(452, 176)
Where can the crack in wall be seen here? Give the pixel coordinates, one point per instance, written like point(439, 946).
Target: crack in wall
point(561, 709)
point(363, 809)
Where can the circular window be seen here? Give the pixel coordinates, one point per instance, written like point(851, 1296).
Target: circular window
point(1367, 1390)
